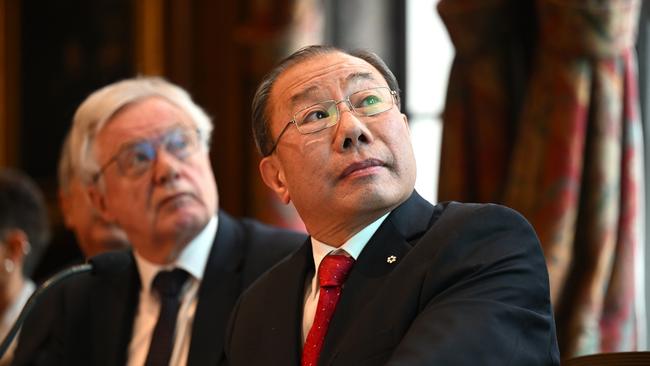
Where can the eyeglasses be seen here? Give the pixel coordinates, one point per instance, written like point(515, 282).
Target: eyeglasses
point(136, 158)
point(325, 114)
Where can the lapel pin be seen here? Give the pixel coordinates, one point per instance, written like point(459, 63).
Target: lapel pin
point(392, 259)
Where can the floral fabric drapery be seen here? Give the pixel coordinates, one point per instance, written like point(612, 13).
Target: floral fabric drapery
point(542, 115)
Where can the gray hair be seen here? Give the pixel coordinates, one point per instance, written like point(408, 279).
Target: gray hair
point(260, 116)
point(66, 169)
point(93, 114)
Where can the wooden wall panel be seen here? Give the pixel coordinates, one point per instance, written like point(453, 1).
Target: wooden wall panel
point(9, 85)
point(149, 49)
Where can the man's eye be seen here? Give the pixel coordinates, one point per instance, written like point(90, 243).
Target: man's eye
point(315, 115)
point(177, 144)
point(139, 155)
point(368, 101)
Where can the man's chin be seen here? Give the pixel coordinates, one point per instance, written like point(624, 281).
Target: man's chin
point(374, 200)
point(114, 244)
point(184, 225)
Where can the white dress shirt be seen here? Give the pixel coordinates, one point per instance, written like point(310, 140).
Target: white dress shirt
point(10, 316)
point(193, 259)
point(352, 248)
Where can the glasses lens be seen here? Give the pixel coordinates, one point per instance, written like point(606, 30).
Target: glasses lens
point(317, 117)
point(134, 159)
point(325, 114)
point(180, 143)
point(371, 101)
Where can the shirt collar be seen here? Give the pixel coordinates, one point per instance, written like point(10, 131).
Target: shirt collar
point(193, 258)
point(13, 311)
point(352, 246)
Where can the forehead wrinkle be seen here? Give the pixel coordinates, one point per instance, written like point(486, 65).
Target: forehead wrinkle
point(159, 134)
point(147, 136)
point(306, 94)
point(316, 74)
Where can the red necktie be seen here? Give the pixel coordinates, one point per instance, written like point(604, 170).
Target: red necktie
point(332, 272)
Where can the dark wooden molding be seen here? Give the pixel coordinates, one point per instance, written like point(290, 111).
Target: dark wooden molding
point(9, 85)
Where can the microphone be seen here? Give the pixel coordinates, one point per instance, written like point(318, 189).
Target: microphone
point(98, 265)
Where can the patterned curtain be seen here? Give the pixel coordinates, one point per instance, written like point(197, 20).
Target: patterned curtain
point(542, 115)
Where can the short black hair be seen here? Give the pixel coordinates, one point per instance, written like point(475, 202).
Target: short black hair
point(22, 206)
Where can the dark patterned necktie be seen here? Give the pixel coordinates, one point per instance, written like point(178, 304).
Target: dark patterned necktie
point(168, 285)
point(332, 272)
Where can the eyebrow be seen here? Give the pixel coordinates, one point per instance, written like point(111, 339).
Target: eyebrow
point(138, 140)
point(303, 95)
point(358, 76)
point(307, 93)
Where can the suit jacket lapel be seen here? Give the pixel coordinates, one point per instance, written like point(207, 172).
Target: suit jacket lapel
point(113, 303)
point(286, 308)
point(267, 329)
point(390, 243)
point(219, 290)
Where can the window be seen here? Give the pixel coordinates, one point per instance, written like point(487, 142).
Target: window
point(429, 54)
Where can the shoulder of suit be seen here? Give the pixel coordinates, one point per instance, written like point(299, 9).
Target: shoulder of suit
point(108, 268)
point(249, 226)
point(491, 227)
point(262, 234)
point(471, 209)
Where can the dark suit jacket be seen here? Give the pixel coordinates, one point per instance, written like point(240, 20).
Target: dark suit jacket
point(469, 287)
point(88, 319)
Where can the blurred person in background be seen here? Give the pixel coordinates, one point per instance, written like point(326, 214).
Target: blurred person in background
point(85, 232)
point(94, 234)
point(142, 147)
point(24, 232)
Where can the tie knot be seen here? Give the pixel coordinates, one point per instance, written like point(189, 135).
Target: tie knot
point(169, 283)
point(334, 269)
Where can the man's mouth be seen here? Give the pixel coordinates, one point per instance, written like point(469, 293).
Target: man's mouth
point(361, 166)
point(176, 199)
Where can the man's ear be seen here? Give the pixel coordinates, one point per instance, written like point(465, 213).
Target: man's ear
point(406, 122)
point(65, 206)
point(273, 176)
point(98, 200)
point(17, 245)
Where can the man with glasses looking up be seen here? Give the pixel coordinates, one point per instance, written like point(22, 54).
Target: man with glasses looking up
point(141, 147)
point(386, 278)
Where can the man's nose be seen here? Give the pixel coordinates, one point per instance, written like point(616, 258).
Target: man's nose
point(352, 131)
point(165, 167)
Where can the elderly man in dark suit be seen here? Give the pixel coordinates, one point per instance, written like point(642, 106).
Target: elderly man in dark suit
point(386, 278)
point(142, 149)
